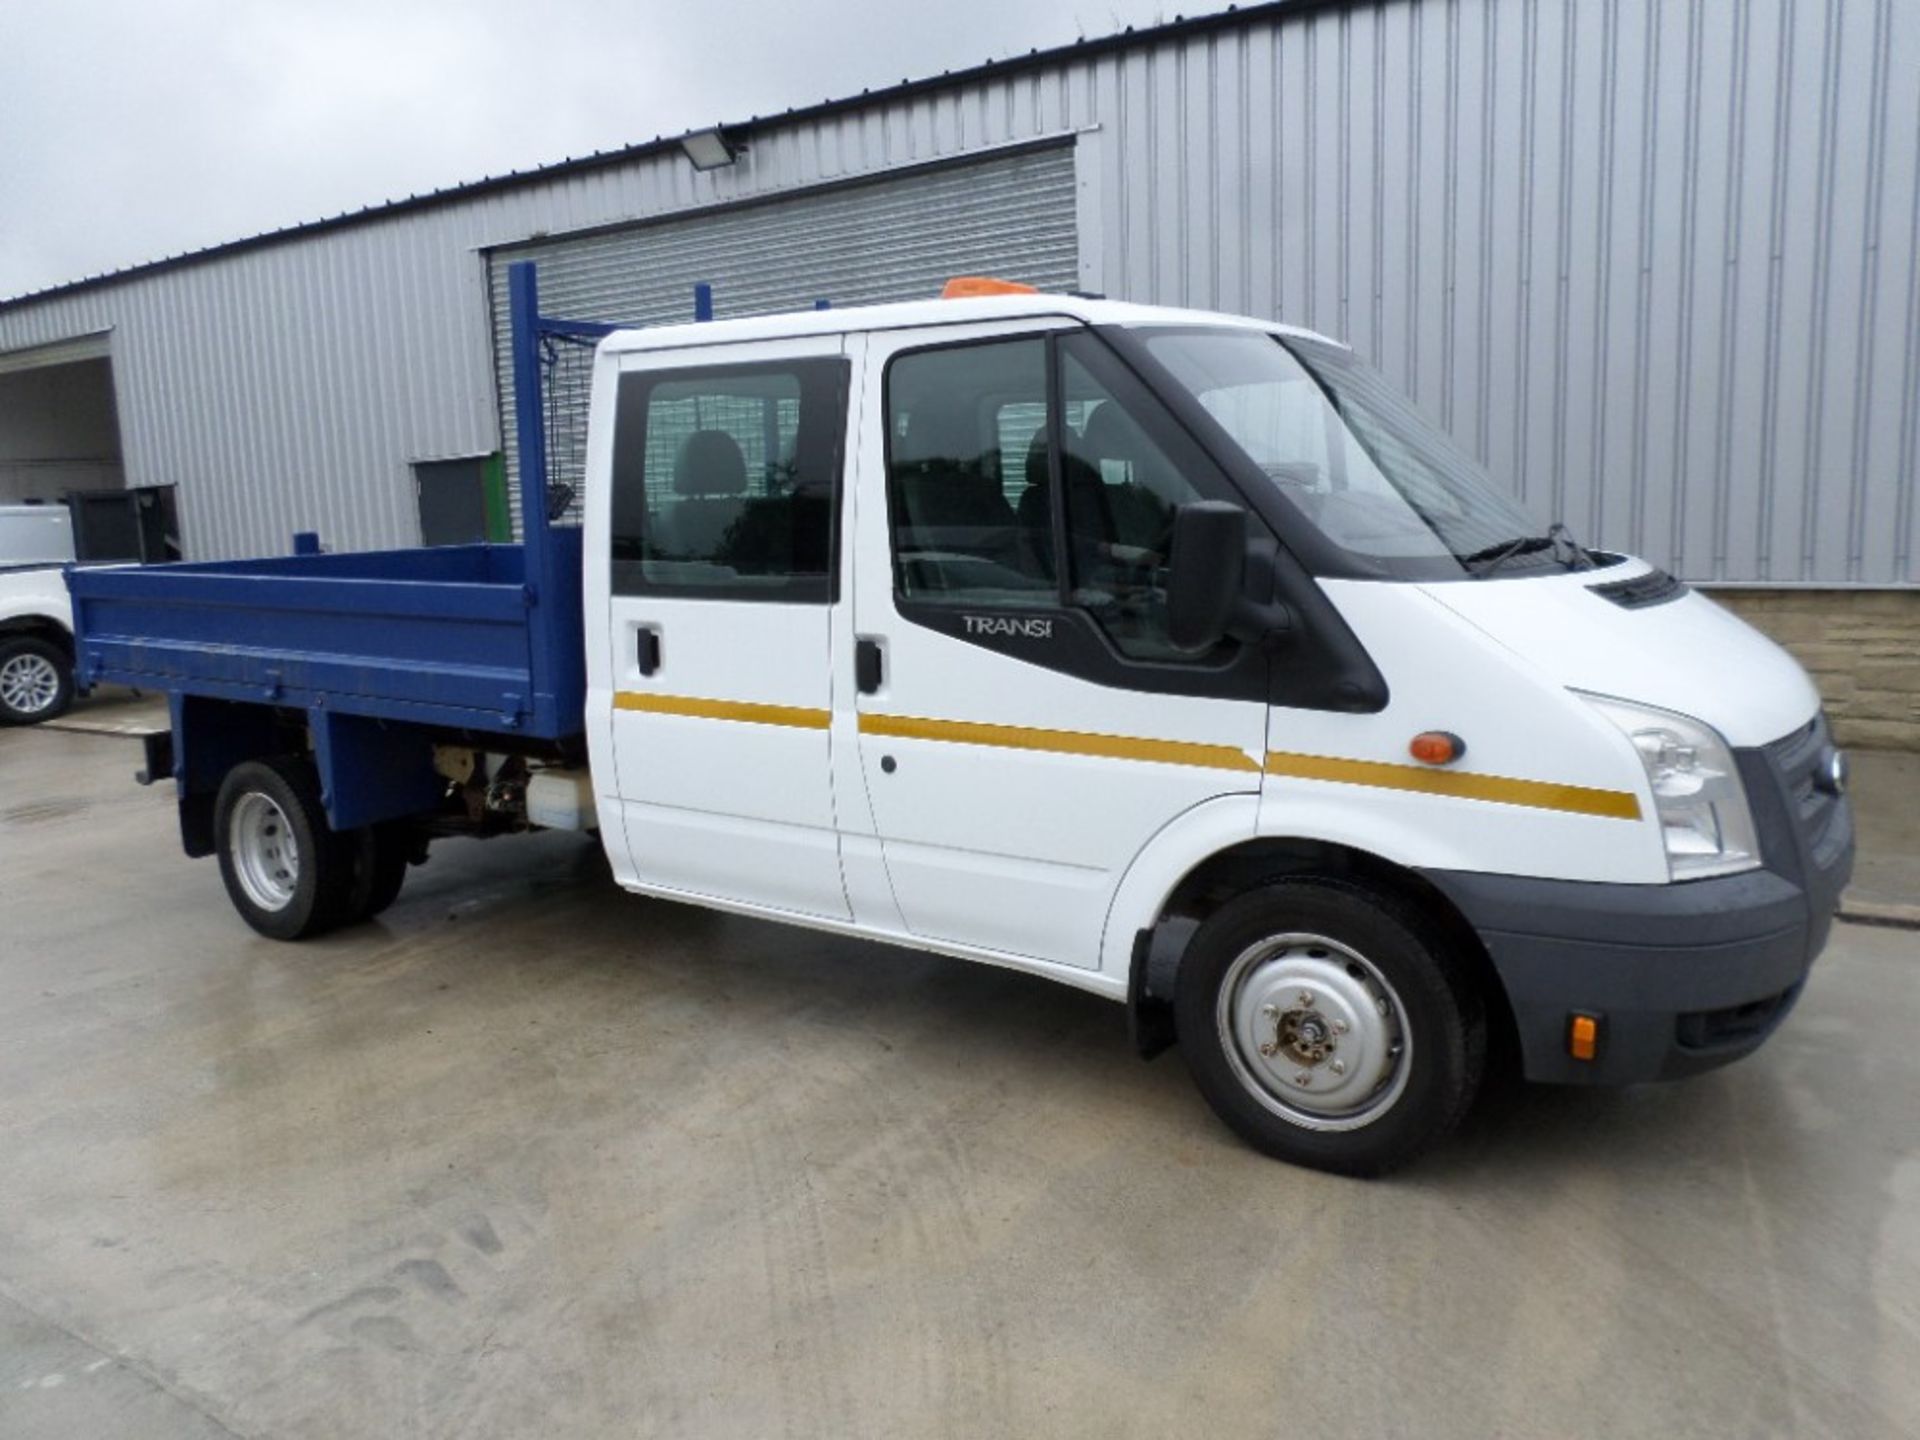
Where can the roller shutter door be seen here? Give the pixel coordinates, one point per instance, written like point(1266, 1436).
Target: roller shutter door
point(896, 239)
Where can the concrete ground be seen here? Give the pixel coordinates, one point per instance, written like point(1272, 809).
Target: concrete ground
point(529, 1157)
point(114, 710)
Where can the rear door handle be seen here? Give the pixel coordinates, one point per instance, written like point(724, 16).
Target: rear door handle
point(869, 669)
point(646, 645)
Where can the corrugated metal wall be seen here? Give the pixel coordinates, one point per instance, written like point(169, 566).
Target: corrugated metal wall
point(896, 239)
point(1655, 260)
point(290, 387)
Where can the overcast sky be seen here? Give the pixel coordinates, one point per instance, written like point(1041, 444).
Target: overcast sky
point(133, 129)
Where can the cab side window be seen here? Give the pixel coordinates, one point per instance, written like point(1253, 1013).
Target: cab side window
point(966, 439)
point(1127, 469)
point(726, 481)
point(971, 479)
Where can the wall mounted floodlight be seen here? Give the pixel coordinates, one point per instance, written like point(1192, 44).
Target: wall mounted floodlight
point(710, 149)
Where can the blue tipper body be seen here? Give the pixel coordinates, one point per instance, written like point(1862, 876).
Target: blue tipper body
point(385, 652)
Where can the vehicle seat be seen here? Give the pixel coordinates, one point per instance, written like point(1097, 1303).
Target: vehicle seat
point(945, 495)
point(1086, 497)
point(1135, 513)
point(710, 494)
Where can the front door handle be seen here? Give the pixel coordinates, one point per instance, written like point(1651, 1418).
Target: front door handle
point(646, 647)
point(869, 669)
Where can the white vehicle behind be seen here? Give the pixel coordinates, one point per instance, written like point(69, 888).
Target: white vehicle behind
point(36, 615)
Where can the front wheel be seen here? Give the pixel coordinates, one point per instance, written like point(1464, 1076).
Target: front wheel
point(1329, 1027)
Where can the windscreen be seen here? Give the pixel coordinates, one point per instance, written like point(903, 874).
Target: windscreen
point(1371, 473)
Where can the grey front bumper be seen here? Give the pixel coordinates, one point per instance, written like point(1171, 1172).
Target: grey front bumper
point(1683, 977)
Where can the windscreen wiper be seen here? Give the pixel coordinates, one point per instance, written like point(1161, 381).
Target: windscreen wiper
point(1492, 557)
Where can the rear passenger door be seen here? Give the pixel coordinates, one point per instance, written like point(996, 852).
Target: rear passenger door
point(1031, 729)
point(723, 539)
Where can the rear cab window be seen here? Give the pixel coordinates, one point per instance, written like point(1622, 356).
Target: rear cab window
point(726, 481)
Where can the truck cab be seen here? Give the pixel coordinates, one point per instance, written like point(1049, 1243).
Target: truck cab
point(1173, 656)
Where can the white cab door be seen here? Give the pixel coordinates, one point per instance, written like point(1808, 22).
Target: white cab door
point(1031, 731)
point(725, 475)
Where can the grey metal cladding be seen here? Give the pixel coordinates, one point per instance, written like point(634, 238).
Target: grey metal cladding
point(1654, 260)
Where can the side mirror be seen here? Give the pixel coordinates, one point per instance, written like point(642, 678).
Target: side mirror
point(1206, 571)
point(1208, 577)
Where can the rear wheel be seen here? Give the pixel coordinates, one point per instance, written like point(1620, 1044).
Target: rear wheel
point(288, 875)
point(36, 680)
point(380, 855)
point(1329, 1026)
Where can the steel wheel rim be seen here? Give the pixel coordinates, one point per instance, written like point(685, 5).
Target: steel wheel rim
point(266, 856)
point(29, 684)
point(1314, 1032)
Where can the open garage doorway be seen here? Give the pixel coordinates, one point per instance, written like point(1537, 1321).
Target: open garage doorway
point(59, 431)
point(60, 447)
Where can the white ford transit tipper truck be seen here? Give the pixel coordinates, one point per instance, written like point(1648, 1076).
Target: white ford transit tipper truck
point(1165, 654)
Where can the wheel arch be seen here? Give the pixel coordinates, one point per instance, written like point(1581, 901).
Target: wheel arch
point(1159, 945)
point(210, 738)
point(40, 627)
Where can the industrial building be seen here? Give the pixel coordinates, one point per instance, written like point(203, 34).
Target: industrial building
point(1654, 261)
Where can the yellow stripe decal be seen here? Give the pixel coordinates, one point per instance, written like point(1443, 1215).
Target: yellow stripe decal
point(1500, 789)
point(1060, 742)
point(795, 716)
point(1540, 794)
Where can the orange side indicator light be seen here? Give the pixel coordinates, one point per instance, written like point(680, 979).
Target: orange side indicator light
point(1436, 747)
point(1583, 1037)
point(971, 287)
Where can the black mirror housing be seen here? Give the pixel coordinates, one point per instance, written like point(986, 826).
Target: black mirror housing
point(1206, 572)
point(1208, 569)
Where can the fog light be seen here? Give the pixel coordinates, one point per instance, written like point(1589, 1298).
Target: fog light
point(1583, 1037)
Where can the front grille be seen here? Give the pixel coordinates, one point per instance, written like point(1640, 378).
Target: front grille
point(1800, 760)
point(1732, 1024)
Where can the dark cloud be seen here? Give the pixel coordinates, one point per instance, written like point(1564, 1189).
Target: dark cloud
point(133, 130)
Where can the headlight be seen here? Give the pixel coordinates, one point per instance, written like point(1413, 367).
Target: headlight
point(1696, 789)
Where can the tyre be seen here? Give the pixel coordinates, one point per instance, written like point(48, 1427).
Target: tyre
point(288, 875)
point(1328, 1026)
point(379, 857)
point(36, 680)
